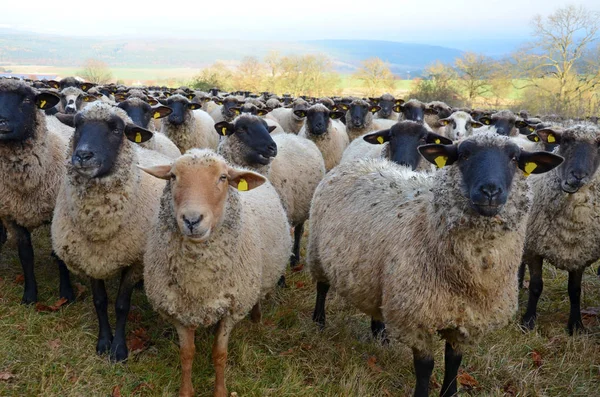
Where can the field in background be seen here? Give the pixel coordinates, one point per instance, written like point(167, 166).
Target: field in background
point(53, 353)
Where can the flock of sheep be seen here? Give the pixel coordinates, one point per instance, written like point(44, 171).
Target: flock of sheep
point(420, 214)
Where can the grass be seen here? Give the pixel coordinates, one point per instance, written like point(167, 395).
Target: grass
point(53, 354)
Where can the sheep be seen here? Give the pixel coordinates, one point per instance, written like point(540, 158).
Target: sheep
point(433, 254)
point(294, 165)
point(359, 119)
point(104, 211)
point(286, 117)
point(502, 122)
point(273, 103)
point(398, 144)
point(188, 126)
point(414, 110)
point(323, 128)
point(31, 168)
point(217, 226)
point(73, 99)
point(458, 125)
point(386, 102)
point(250, 108)
point(325, 101)
point(225, 112)
point(70, 82)
point(565, 210)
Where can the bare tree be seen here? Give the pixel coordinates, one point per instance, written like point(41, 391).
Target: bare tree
point(249, 75)
point(376, 77)
point(96, 71)
point(474, 74)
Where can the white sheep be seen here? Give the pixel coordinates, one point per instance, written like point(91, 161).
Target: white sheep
point(287, 118)
point(219, 243)
point(458, 125)
point(432, 255)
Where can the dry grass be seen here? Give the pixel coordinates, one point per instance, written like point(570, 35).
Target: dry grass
point(52, 354)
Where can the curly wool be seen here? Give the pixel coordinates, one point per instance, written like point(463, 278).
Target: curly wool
point(434, 265)
point(197, 130)
point(286, 118)
point(558, 220)
point(197, 284)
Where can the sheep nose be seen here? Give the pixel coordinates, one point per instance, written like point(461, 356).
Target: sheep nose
point(70, 110)
point(192, 220)
point(490, 191)
point(272, 149)
point(579, 174)
point(83, 156)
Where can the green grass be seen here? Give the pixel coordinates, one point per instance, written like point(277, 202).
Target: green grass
point(53, 354)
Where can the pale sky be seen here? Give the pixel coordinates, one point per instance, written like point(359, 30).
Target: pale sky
point(418, 21)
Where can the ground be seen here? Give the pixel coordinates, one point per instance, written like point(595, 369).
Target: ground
point(52, 353)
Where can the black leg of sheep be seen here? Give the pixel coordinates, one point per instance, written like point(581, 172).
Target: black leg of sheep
point(575, 323)
point(2, 235)
point(319, 313)
point(521, 274)
point(536, 286)
point(298, 232)
point(378, 331)
point(423, 368)
point(118, 348)
point(26, 257)
point(452, 360)
point(65, 286)
point(101, 304)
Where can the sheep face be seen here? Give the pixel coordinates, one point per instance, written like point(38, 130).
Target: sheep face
point(386, 102)
point(253, 135)
point(487, 168)
point(72, 99)
point(503, 122)
point(300, 106)
point(524, 127)
point(414, 110)
point(181, 109)
point(404, 139)
point(318, 119)
point(459, 125)
point(18, 107)
point(230, 107)
point(97, 143)
point(358, 111)
point(141, 112)
point(579, 146)
point(251, 109)
point(199, 182)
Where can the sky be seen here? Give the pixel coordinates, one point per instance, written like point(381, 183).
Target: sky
point(440, 22)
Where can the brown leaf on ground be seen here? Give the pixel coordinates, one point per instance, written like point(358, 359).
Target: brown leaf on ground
point(134, 317)
point(116, 392)
point(80, 290)
point(60, 302)
point(40, 307)
point(298, 268)
point(20, 279)
point(287, 352)
point(300, 284)
point(5, 375)
point(537, 358)
point(54, 344)
point(509, 389)
point(372, 363)
point(137, 340)
point(143, 388)
point(466, 380)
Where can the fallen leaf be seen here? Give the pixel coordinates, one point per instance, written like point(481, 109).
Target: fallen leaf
point(298, 268)
point(40, 307)
point(60, 303)
point(300, 284)
point(372, 363)
point(116, 392)
point(466, 380)
point(80, 290)
point(20, 279)
point(134, 317)
point(141, 387)
point(287, 352)
point(537, 358)
point(54, 344)
point(5, 375)
point(137, 340)
point(509, 389)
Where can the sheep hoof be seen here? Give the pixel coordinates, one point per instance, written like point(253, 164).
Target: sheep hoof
point(576, 327)
point(118, 352)
point(281, 283)
point(103, 346)
point(68, 294)
point(29, 297)
point(528, 323)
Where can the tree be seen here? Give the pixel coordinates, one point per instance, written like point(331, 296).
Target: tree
point(559, 62)
point(216, 75)
point(249, 75)
point(376, 77)
point(474, 74)
point(95, 71)
point(438, 85)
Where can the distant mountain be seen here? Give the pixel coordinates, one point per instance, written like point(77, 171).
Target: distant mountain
point(38, 49)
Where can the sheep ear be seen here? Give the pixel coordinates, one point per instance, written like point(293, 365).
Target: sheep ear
point(341, 106)
point(158, 171)
point(398, 108)
point(549, 135)
point(476, 124)
point(190, 96)
point(440, 155)
point(374, 108)
point(378, 138)
point(120, 97)
point(443, 122)
point(374, 101)
point(262, 112)
point(336, 115)
point(137, 134)
point(236, 110)
point(86, 86)
point(435, 138)
point(399, 102)
point(271, 128)
point(194, 106)
point(66, 119)
point(224, 128)
point(53, 84)
point(205, 99)
point(244, 180)
point(89, 98)
point(167, 94)
point(521, 124)
point(533, 137)
point(152, 102)
point(218, 101)
point(46, 100)
point(161, 111)
point(485, 120)
point(300, 113)
point(430, 111)
point(538, 162)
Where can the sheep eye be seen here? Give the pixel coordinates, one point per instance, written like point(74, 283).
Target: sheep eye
point(223, 178)
point(464, 155)
point(173, 177)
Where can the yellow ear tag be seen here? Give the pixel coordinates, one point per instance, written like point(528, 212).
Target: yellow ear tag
point(43, 104)
point(551, 138)
point(440, 161)
point(438, 141)
point(224, 131)
point(242, 185)
point(138, 137)
point(380, 139)
point(156, 115)
point(237, 112)
point(529, 168)
point(531, 129)
point(536, 138)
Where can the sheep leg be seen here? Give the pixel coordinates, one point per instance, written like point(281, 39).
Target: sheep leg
point(26, 257)
point(536, 286)
point(298, 232)
point(3, 235)
point(187, 349)
point(219, 355)
point(575, 323)
point(101, 304)
point(255, 314)
point(319, 313)
point(378, 331)
point(65, 288)
point(452, 359)
point(118, 348)
point(423, 363)
point(521, 274)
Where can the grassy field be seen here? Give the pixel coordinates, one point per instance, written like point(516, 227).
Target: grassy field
point(53, 353)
